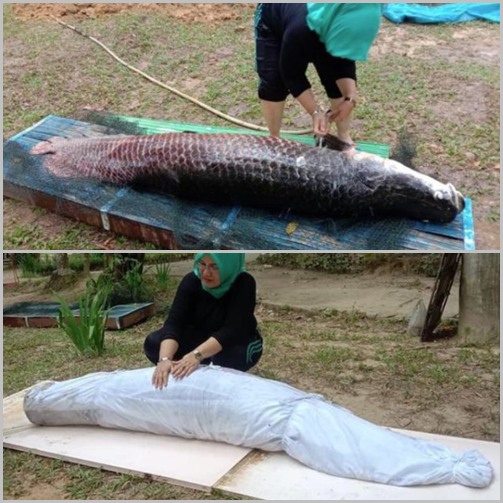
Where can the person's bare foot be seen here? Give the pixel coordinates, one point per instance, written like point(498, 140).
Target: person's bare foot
point(346, 139)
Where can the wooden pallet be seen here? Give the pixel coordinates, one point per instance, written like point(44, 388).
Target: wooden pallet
point(45, 315)
point(172, 223)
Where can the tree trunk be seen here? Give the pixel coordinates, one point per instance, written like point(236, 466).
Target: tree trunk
point(479, 302)
point(87, 265)
point(62, 264)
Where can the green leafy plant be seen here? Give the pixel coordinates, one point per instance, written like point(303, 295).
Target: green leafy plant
point(134, 281)
point(34, 264)
point(87, 328)
point(162, 273)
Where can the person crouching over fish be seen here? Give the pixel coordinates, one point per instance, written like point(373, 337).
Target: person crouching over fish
point(211, 320)
point(332, 36)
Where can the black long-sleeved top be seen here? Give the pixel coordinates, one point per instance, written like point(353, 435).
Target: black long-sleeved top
point(197, 315)
point(301, 46)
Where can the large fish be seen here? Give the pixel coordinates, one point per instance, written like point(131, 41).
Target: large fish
point(256, 171)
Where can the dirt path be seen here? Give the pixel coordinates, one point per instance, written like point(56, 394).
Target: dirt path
point(371, 294)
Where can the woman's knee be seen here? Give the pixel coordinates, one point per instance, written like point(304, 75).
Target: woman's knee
point(152, 346)
point(240, 357)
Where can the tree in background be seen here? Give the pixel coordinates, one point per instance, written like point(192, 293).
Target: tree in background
point(479, 304)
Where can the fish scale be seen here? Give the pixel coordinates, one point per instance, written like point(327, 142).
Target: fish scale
point(255, 171)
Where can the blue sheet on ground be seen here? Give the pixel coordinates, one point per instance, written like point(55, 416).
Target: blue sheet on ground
point(448, 13)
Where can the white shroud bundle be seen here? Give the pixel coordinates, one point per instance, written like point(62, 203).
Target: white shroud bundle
point(242, 409)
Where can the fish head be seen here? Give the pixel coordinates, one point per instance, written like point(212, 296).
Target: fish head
point(421, 196)
point(437, 202)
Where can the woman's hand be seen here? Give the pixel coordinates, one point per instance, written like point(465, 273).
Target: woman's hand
point(342, 111)
point(185, 366)
point(321, 125)
point(161, 374)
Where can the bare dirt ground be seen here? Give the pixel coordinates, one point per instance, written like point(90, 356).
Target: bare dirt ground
point(190, 13)
point(469, 44)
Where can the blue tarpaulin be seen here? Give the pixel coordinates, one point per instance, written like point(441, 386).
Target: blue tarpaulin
point(448, 13)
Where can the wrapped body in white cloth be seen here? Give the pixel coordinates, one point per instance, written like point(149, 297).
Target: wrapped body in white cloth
point(225, 405)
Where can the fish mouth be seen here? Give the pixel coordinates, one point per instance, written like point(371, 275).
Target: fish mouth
point(453, 196)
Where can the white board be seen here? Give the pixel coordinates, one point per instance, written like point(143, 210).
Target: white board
point(275, 476)
point(190, 463)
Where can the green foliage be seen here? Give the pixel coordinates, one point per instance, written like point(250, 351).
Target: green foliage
point(330, 262)
point(425, 264)
point(162, 274)
point(87, 329)
point(155, 258)
point(35, 264)
point(130, 287)
point(133, 279)
point(76, 261)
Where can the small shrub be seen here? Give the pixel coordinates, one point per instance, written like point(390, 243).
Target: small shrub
point(35, 264)
point(133, 279)
point(162, 274)
point(87, 328)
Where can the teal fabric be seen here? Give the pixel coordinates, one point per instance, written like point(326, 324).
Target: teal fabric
point(449, 13)
point(230, 266)
point(347, 29)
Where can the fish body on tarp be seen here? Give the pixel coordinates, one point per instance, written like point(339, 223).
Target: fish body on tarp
point(226, 405)
point(256, 171)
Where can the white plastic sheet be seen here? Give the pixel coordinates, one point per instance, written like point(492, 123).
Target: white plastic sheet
point(229, 406)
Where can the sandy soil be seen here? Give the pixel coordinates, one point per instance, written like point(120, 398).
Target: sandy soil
point(190, 13)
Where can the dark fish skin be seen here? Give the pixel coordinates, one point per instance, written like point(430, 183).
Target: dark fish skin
point(256, 171)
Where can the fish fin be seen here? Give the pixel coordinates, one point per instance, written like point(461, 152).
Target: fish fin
point(111, 124)
point(332, 142)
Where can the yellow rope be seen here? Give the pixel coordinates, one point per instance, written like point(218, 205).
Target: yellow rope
point(172, 89)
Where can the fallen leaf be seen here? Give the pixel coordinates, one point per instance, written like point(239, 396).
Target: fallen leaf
point(291, 227)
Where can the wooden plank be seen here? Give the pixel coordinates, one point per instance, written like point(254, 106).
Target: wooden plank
point(172, 223)
point(190, 463)
point(276, 476)
point(119, 318)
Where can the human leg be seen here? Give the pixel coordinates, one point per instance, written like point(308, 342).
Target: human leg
point(240, 357)
point(273, 114)
point(344, 125)
point(271, 91)
point(152, 346)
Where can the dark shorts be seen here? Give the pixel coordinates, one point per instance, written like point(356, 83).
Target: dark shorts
point(236, 357)
point(267, 60)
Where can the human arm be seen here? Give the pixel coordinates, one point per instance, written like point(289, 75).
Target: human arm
point(172, 330)
point(191, 362)
point(182, 308)
point(164, 366)
point(342, 107)
point(320, 118)
point(239, 321)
